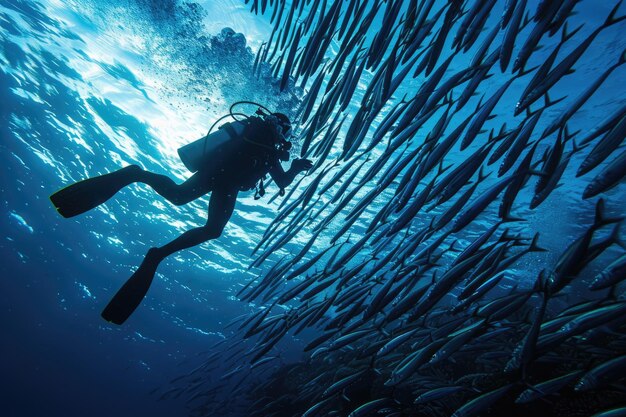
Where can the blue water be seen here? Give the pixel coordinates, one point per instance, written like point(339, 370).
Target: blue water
point(87, 87)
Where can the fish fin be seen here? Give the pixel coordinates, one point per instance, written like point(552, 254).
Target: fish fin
point(540, 283)
point(549, 103)
point(508, 218)
point(530, 113)
point(576, 148)
point(600, 219)
point(567, 36)
point(567, 135)
point(441, 169)
point(451, 248)
point(614, 237)
point(481, 175)
point(534, 246)
point(524, 71)
point(622, 59)
point(532, 143)
point(480, 102)
point(505, 236)
point(502, 129)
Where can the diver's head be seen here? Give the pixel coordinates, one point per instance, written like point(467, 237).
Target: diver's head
point(282, 125)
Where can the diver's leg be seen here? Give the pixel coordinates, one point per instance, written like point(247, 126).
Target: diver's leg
point(128, 298)
point(221, 206)
point(178, 194)
point(90, 193)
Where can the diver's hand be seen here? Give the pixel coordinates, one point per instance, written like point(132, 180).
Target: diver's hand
point(300, 165)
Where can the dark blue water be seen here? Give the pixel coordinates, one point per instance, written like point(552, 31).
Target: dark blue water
point(87, 87)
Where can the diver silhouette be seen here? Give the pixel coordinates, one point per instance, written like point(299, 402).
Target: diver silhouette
point(237, 157)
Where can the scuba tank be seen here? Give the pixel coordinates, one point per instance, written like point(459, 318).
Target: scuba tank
point(199, 152)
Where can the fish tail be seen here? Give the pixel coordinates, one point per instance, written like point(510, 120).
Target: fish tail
point(611, 19)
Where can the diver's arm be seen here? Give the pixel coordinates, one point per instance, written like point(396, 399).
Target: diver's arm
point(284, 178)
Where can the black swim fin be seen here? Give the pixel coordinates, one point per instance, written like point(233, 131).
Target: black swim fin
point(128, 298)
point(85, 195)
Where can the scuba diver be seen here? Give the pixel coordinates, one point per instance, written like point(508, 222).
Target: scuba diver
point(234, 158)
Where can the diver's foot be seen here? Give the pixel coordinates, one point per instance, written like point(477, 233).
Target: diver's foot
point(87, 194)
point(128, 298)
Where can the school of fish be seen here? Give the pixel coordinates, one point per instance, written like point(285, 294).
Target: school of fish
point(408, 305)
